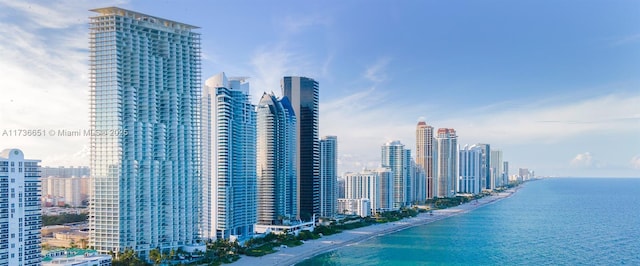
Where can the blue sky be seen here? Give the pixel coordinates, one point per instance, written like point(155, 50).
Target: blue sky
point(554, 84)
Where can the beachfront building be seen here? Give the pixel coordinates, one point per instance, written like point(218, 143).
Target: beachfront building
point(470, 162)
point(446, 153)
point(424, 154)
point(485, 166)
point(276, 171)
point(228, 158)
point(20, 213)
point(496, 165)
point(303, 93)
point(398, 160)
point(419, 183)
point(360, 207)
point(328, 175)
point(505, 172)
point(145, 92)
point(386, 189)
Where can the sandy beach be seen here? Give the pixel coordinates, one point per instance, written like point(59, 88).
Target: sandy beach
point(311, 248)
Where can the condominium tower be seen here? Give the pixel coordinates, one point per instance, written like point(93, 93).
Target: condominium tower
point(424, 154)
point(145, 117)
point(398, 160)
point(228, 158)
point(485, 168)
point(277, 180)
point(496, 166)
point(303, 93)
point(470, 170)
point(446, 153)
point(20, 213)
point(328, 175)
point(375, 185)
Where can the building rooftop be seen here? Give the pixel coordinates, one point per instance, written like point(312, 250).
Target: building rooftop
point(104, 11)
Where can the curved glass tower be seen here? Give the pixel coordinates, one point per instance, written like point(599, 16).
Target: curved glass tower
point(276, 146)
point(229, 158)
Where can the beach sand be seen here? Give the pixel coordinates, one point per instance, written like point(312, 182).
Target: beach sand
point(311, 248)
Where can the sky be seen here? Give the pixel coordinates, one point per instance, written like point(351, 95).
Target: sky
point(554, 84)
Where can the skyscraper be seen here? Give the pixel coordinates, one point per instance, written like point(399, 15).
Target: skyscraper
point(496, 168)
point(470, 170)
point(419, 183)
point(304, 96)
point(20, 214)
point(228, 158)
point(424, 154)
point(328, 175)
point(145, 164)
point(485, 167)
point(277, 190)
point(446, 154)
point(505, 173)
point(394, 157)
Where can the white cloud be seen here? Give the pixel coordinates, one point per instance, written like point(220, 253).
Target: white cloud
point(270, 64)
point(550, 122)
point(366, 119)
point(635, 162)
point(44, 60)
point(583, 160)
point(375, 73)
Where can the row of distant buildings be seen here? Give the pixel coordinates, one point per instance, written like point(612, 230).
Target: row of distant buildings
point(440, 169)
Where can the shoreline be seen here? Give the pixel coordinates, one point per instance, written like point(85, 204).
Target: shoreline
point(312, 248)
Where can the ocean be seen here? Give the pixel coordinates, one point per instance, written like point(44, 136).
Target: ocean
point(554, 221)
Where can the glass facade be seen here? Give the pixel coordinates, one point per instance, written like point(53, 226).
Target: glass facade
point(144, 160)
point(398, 160)
point(470, 164)
point(328, 176)
point(229, 159)
point(304, 96)
point(446, 147)
point(277, 179)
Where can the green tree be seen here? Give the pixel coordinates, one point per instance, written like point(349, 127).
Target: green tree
point(155, 256)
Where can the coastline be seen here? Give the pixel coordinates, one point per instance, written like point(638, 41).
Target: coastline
point(312, 248)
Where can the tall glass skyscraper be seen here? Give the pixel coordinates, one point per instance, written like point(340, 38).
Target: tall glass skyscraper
point(446, 148)
point(328, 176)
point(145, 93)
point(398, 159)
point(304, 96)
point(497, 167)
point(277, 180)
point(485, 166)
point(470, 162)
point(424, 154)
point(228, 158)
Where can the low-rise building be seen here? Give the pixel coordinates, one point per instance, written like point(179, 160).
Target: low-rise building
point(75, 257)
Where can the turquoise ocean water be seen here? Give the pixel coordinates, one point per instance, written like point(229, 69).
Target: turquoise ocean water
point(560, 221)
